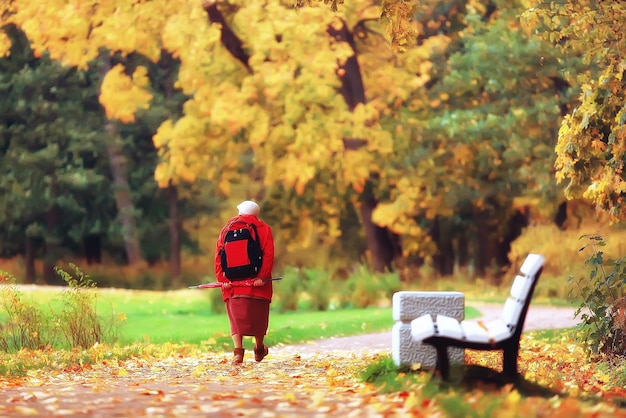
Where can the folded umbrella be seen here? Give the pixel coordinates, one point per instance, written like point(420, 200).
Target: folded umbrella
point(241, 283)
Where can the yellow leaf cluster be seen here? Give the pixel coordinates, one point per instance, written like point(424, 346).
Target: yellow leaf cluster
point(357, 168)
point(122, 95)
point(5, 44)
point(196, 43)
point(181, 148)
point(134, 26)
point(73, 32)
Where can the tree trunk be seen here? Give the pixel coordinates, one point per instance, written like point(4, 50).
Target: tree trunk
point(121, 190)
point(92, 248)
point(121, 186)
point(29, 260)
point(463, 250)
point(175, 222)
point(515, 226)
point(381, 245)
point(444, 259)
point(482, 258)
point(175, 236)
point(52, 243)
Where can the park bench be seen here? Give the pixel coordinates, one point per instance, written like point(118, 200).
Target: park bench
point(503, 333)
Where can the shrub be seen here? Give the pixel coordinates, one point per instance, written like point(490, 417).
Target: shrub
point(290, 290)
point(319, 287)
point(603, 306)
point(78, 319)
point(75, 324)
point(25, 323)
point(365, 288)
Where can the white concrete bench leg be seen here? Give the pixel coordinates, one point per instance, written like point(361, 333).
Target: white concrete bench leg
point(408, 305)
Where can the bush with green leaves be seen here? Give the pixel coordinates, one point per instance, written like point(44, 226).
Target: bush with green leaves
point(366, 288)
point(319, 287)
point(603, 303)
point(289, 293)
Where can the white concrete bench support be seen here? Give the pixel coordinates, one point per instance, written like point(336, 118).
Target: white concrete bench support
point(408, 305)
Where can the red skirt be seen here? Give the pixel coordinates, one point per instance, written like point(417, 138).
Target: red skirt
point(248, 316)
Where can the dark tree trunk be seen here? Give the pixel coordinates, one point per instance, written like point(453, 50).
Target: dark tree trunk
point(444, 259)
point(515, 227)
point(352, 88)
point(382, 246)
point(52, 247)
point(175, 222)
point(175, 236)
point(561, 215)
point(29, 260)
point(463, 250)
point(481, 244)
point(492, 247)
point(92, 247)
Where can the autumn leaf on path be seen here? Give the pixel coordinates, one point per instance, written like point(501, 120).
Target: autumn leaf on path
point(295, 385)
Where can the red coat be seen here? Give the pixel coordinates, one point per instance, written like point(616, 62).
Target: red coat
point(266, 240)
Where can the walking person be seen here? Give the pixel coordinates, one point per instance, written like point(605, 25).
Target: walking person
point(248, 307)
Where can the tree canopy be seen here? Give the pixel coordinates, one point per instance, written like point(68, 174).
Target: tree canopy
point(592, 138)
point(428, 122)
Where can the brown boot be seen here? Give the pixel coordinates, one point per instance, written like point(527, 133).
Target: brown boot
point(238, 355)
point(260, 353)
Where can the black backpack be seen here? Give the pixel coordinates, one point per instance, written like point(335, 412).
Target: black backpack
point(241, 256)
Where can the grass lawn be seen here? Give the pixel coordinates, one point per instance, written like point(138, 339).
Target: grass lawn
point(184, 316)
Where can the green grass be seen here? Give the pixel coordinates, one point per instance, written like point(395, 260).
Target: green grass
point(388, 377)
point(185, 316)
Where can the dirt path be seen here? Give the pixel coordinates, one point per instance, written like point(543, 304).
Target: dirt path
point(308, 380)
point(538, 317)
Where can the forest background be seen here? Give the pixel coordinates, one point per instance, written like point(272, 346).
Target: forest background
point(430, 139)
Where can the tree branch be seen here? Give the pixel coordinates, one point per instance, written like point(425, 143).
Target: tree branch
point(349, 72)
point(229, 39)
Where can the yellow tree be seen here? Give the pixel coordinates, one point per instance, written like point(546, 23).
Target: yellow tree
point(263, 78)
point(591, 148)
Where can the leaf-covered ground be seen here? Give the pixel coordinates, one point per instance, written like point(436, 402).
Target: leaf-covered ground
point(192, 383)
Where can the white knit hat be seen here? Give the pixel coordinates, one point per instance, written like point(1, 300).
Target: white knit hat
point(248, 207)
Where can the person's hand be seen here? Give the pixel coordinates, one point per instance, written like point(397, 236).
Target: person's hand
point(226, 285)
point(258, 282)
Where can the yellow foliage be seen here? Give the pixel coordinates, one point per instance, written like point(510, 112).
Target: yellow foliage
point(260, 128)
point(122, 95)
point(356, 168)
point(5, 45)
point(283, 109)
point(73, 32)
